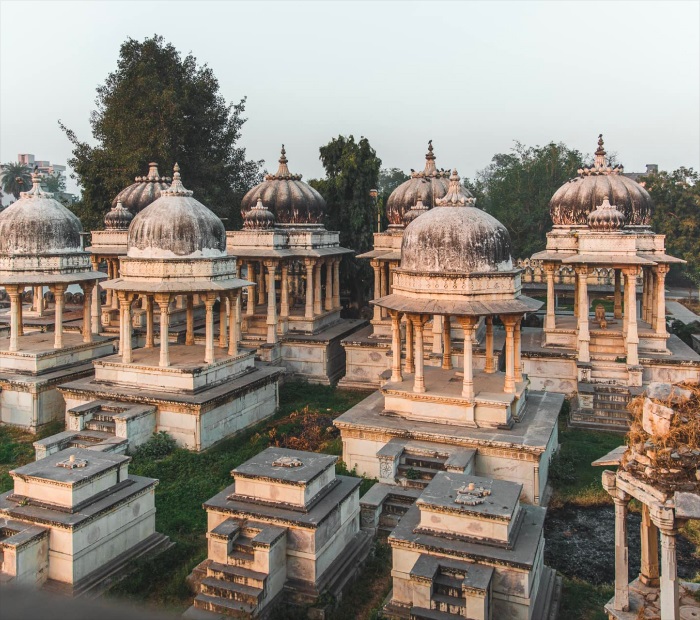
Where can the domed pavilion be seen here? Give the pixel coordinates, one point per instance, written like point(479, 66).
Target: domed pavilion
point(293, 318)
point(601, 223)
point(366, 350)
point(40, 246)
point(456, 264)
point(197, 392)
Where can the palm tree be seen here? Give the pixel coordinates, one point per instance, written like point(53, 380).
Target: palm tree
point(15, 178)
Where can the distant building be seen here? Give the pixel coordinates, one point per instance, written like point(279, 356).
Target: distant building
point(43, 166)
point(635, 176)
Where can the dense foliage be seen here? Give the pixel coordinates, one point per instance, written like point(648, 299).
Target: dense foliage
point(160, 106)
point(15, 178)
point(676, 214)
point(389, 180)
point(516, 188)
point(352, 170)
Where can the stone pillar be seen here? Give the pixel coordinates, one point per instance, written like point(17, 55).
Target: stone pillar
point(261, 285)
point(490, 366)
point(670, 605)
point(621, 601)
point(518, 350)
point(410, 365)
point(317, 288)
point(163, 301)
point(233, 334)
point(115, 274)
point(468, 381)
point(649, 574)
point(38, 300)
point(284, 295)
point(446, 343)
point(419, 378)
point(576, 287)
point(125, 322)
point(584, 337)
point(653, 307)
point(96, 308)
point(271, 267)
point(58, 291)
point(15, 301)
point(87, 287)
point(382, 286)
point(536, 485)
point(149, 322)
point(396, 376)
point(309, 311)
point(328, 301)
point(618, 295)
point(336, 283)
point(509, 324)
point(632, 338)
point(250, 306)
point(550, 320)
point(660, 326)
point(189, 329)
point(377, 290)
point(223, 314)
point(209, 300)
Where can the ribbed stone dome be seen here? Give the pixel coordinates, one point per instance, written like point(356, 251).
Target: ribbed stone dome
point(456, 237)
point(37, 225)
point(118, 218)
point(289, 199)
point(606, 217)
point(137, 196)
point(579, 196)
point(429, 185)
point(176, 226)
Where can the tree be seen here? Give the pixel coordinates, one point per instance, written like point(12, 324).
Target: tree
point(516, 189)
point(15, 178)
point(352, 170)
point(159, 106)
point(676, 214)
point(54, 183)
point(389, 180)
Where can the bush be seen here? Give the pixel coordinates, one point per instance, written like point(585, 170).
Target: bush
point(158, 446)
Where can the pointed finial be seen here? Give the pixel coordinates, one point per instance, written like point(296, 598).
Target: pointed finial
point(176, 188)
point(153, 171)
point(176, 171)
point(429, 155)
point(600, 153)
point(600, 142)
point(283, 158)
point(457, 195)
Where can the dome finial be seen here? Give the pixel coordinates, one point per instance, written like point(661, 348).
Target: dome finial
point(176, 188)
point(457, 195)
point(153, 171)
point(283, 170)
point(429, 154)
point(600, 153)
point(36, 190)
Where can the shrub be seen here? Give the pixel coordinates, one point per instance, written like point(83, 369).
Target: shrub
point(158, 446)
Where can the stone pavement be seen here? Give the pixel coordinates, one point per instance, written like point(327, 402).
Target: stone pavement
point(680, 312)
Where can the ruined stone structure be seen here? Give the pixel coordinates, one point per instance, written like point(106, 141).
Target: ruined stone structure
point(456, 264)
point(40, 246)
point(74, 520)
point(198, 393)
point(601, 221)
point(659, 468)
point(287, 528)
point(293, 317)
point(367, 351)
point(469, 549)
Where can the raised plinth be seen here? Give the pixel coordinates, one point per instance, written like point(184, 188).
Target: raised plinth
point(37, 354)
point(187, 371)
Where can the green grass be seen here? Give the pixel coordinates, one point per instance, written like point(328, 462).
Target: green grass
point(583, 601)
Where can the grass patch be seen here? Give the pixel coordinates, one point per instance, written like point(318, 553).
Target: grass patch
point(583, 601)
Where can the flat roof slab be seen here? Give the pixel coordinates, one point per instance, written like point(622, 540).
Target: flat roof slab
point(263, 466)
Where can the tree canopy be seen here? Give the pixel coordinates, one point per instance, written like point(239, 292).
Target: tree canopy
point(676, 214)
point(15, 178)
point(160, 106)
point(54, 183)
point(352, 170)
point(516, 188)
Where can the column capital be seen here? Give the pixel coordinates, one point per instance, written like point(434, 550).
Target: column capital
point(662, 269)
point(209, 298)
point(467, 322)
point(508, 321)
point(163, 299)
point(632, 271)
point(56, 289)
point(549, 268)
point(419, 320)
point(395, 314)
point(581, 270)
point(13, 289)
point(270, 263)
point(664, 518)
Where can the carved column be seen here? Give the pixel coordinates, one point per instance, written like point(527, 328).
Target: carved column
point(58, 291)
point(468, 381)
point(632, 338)
point(163, 301)
point(233, 334)
point(622, 597)
point(550, 319)
point(618, 295)
point(309, 311)
point(536, 485)
point(271, 267)
point(96, 308)
point(396, 346)
point(517, 343)
point(261, 285)
point(317, 288)
point(125, 322)
point(15, 301)
point(115, 274)
point(649, 574)
point(328, 301)
point(284, 299)
point(490, 366)
point(419, 321)
point(20, 312)
point(377, 290)
point(410, 364)
point(382, 286)
point(660, 327)
point(87, 287)
point(584, 337)
point(670, 604)
point(38, 300)
point(509, 324)
point(149, 322)
point(189, 329)
point(336, 284)
point(653, 306)
point(437, 335)
point(446, 343)
point(250, 306)
point(209, 300)
point(576, 294)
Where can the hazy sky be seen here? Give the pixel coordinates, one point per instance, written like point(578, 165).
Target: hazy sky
point(473, 76)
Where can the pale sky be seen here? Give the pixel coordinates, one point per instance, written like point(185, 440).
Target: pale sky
point(473, 76)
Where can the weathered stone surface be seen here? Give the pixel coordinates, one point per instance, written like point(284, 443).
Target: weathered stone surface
point(656, 418)
point(667, 392)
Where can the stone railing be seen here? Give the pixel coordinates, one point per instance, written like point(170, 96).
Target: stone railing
point(533, 271)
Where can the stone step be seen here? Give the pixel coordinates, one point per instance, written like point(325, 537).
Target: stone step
point(104, 426)
point(598, 423)
point(612, 389)
point(240, 558)
point(422, 613)
point(448, 581)
point(224, 606)
point(443, 602)
point(394, 507)
point(231, 590)
point(102, 417)
point(437, 464)
point(387, 522)
point(237, 574)
point(408, 483)
point(418, 473)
